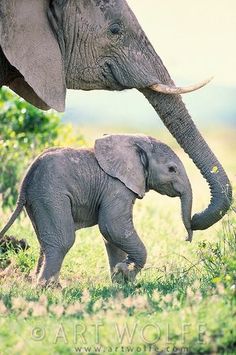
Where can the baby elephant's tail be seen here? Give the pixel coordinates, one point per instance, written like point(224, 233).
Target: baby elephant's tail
point(15, 214)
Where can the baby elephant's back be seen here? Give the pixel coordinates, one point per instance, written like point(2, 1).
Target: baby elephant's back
point(60, 170)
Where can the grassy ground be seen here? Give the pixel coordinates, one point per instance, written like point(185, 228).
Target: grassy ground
point(182, 302)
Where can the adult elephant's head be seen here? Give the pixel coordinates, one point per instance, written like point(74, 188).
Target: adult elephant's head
point(48, 46)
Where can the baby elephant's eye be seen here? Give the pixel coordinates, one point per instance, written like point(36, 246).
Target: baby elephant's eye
point(172, 169)
point(115, 28)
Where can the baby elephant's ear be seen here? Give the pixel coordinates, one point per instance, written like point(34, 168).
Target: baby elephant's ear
point(119, 157)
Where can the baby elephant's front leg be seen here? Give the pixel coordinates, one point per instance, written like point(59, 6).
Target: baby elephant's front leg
point(117, 227)
point(126, 270)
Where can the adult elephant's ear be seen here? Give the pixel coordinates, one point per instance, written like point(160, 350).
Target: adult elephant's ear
point(119, 156)
point(30, 46)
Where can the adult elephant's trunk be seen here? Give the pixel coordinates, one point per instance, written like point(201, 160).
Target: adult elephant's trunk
point(176, 118)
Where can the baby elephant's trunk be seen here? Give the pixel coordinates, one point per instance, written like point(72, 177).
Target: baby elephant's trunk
point(186, 209)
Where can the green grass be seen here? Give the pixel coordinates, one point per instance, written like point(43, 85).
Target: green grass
point(182, 302)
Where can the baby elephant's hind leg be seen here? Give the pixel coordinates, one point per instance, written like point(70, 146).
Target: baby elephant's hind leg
point(34, 273)
point(56, 234)
point(40, 262)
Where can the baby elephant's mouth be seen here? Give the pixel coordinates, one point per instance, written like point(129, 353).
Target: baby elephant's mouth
point(168, 190)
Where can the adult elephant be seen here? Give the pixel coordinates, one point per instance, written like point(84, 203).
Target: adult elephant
point(48, 46)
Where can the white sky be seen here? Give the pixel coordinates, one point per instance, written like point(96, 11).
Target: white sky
point(195, 38)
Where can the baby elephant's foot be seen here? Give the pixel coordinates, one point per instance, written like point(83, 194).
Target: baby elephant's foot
point(124, 272)
point(51, 283)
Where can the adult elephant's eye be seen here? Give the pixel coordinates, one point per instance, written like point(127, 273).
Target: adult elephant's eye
point(115, 29)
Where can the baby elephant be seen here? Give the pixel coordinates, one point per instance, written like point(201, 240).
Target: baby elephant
point(67, 189)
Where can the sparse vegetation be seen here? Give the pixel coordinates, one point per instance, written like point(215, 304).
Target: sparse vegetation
point(184, 301)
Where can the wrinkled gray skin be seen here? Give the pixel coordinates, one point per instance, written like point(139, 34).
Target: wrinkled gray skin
point(48, 46)
point(67, 189)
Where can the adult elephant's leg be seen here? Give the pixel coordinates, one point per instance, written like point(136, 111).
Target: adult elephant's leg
point(115, 254)
point(56, 234)
point(116, 225)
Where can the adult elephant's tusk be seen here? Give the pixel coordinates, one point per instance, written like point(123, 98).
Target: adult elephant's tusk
point(168, 89)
